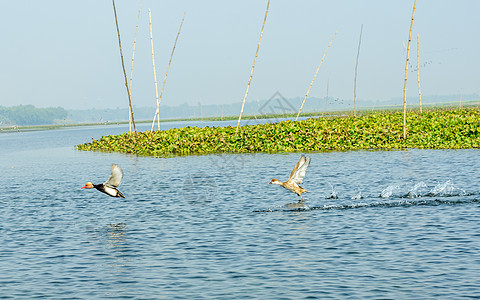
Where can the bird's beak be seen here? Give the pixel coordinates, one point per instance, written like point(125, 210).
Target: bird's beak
point(88, 185)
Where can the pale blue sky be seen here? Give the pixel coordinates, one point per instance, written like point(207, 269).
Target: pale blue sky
point(65, 53)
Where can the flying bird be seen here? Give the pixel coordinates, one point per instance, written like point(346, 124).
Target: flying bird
point(296, 177)
point(109, 187)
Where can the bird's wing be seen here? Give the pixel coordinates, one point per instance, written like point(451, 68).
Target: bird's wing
point(299, 170)
point(300, 162)
point(115, 178)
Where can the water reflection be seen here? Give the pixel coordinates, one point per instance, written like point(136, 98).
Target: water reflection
point(117, 234)
point(117, 241)
point(111, 241)
point(299, 204)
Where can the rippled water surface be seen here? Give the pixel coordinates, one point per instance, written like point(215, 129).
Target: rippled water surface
point(379, 225)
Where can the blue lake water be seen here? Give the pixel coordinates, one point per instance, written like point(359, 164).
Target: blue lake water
point(376, 225)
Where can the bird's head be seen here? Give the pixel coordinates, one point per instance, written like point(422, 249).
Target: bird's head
point(88, 185)
point(274, 181)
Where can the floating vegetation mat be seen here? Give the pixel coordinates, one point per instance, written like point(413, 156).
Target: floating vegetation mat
point(435, 129)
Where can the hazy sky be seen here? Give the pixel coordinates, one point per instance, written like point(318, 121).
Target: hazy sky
point(65, 53)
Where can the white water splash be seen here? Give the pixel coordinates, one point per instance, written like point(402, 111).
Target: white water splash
point(357, 196)
point(446, 189)
point(441, 188)
point(333, 194)
point(414, 192)
point(388, 191)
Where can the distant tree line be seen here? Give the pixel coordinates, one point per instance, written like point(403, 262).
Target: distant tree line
point(30, 115)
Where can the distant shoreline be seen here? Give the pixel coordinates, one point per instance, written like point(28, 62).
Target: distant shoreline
point(391, 108)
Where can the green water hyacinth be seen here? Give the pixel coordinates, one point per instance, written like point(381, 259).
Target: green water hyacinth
point(435, 129)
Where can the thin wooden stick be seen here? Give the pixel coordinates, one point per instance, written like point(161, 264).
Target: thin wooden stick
point(253, 66)
point(326, 101)
point(406, 70)
point(418, 72)
point(355, 80)
point(311, 83)
point(123, 67)
point(131, 69)
point(166, 74)
point(153, 63)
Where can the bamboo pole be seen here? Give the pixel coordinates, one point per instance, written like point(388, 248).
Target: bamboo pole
point(326, 101)
point(406, 70)
point(131, 69)
point(253, 66)
point(166, 74)
point(418, 72)
point(355, 80)
point(311, 83)
point(123, 67)
point(153, 63)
